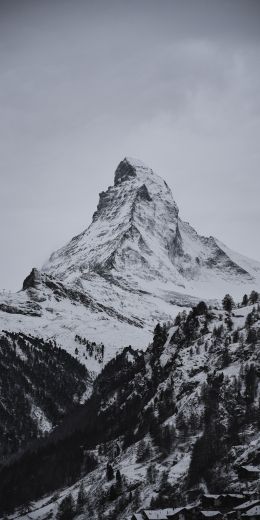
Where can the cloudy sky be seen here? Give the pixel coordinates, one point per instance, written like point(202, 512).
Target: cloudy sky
point(82, 84)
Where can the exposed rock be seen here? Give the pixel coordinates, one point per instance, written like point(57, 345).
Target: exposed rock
point(33, 280)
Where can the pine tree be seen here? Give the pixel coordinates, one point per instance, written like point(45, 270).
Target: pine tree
point(201, 308)
point(245, 300)
point(118, 479)
point(228, 303)
point(143, 451)
point(151, 474)
point(136, 498)
point(81, 500)
point(66, 509)
point(160, 335)
point(253, 298)
point(110, 472)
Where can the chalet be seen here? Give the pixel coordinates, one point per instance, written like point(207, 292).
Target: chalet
point(252, 514)
point(243, 508)
point(231, 515)
point(176, 514)
point(230, 501)
point(157, 514)
point(210, 501)
point(223, 502)
point(248, 472)
point(210, 515)
point(189, 512)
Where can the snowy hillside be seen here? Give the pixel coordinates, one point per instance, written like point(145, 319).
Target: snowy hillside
point(138, 242)
point(133, 266)
point(162, 425)
point(39, 384)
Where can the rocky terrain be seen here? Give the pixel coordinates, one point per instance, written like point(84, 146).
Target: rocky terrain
point(39, 385)
point(134, 266)
point(162, 424)
point(127, 380)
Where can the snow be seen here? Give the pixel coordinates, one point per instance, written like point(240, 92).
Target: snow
point(159, 514)
point(246, 505)
point(40, 418)
point(130, 269)
point(209, 514)
point(255, 511)
point(176, 464)
point(251, 468)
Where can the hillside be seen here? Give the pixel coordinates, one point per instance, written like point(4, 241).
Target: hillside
point(135, 265)
point(161, 424)
point(39, 385)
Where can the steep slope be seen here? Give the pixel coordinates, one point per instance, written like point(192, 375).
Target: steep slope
point(39, 385)
point(138, 242)
point(52, 310)
point(133, 266)
point(180, 417)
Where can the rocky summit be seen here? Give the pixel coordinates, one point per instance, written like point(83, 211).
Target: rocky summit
point(135, 265)
point(128, 369)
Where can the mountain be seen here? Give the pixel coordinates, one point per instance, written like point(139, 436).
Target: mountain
point(135, 264)
point(39, 385)
point(137, 242)
point(160, 427)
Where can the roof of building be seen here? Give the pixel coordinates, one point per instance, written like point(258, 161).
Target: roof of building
point(254, 511)
point(159, 514)
point(212, 496)
point(234, 495)
point(208, 514)
point(247, 505)
point(250, 468)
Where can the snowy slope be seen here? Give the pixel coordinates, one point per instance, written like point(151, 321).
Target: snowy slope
point(137, 241)
point(133, 266)
point(181, 374)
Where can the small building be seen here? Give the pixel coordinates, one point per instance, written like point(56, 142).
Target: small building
point(223, 503)
point(248, 472)
point(230, 501)
point(210, 501)
point(252, 514)
point(189, 512)
point(176, 514)
point(157, 514)
point(243, 508)
point(231, 515)
point(210, 515)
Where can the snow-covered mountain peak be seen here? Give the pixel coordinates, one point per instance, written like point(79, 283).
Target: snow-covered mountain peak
point(135, 220)
point(129, 168)
point(132, 267)
point(138, 242)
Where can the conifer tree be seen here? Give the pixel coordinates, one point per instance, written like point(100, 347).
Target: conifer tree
point(81, 500)
point(253, 298)
point(245, 300)
point(228, 303)
point(110, 472)
point(66, 509)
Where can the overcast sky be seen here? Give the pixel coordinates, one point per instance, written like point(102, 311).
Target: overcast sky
point(84, 83)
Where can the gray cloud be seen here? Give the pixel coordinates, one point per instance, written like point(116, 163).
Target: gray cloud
point(83, 84)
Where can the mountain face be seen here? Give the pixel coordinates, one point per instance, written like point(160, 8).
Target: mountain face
point(138, 242)
point(39, 384)
point(132, 267)
point(149, 426)
point(160, 427)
